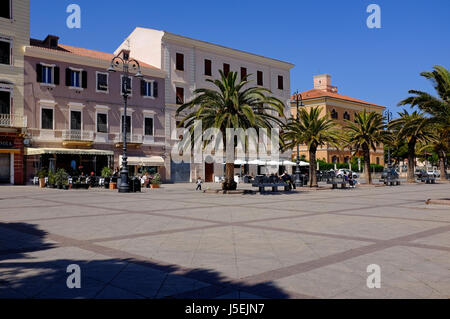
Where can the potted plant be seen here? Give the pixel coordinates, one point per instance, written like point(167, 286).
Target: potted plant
point(155, 181)
point(51, 180)
point(106, 174)
point(61, 178)
point(42, 173)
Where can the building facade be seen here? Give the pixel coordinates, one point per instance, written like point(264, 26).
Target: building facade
point(188, 63)
point(14, 36)
point(75, 112)
point(340, 108)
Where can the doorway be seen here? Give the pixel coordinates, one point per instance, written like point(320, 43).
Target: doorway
point(5, 168)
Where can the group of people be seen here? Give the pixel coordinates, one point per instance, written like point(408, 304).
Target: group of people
point(350, 180)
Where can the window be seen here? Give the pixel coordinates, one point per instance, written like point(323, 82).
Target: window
point(280, 83)
point(335, 159)
point(149, 88)
point(75, 120)
point(76, 78)
point(128, 124)
point(243, 73)
point(346, 116)
point(334, 114)
point(47, 119)
point(5, 9)
point(102, 123)
point(102, 82)
point(259, 78)
point(5, 51)
point(378, 161)
point(180, 62)
point(180, 95)
point(47, 74)
point(148, 126)
point(208, 67)
point(226, 69)
point(128, 84)
point(5, 102)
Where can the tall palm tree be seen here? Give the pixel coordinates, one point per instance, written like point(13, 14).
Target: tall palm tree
point(414, 128)
point(363, 134)
point(437, 107)
point(439, 143)
point(312, 130)
point(232, 104)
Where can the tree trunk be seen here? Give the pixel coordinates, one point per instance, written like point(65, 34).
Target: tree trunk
point(229, 183)
point(366, 154)
point(312, 168)
point(411, 161)
point(441, 155)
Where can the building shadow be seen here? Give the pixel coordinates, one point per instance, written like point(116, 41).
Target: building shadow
point(30, 267)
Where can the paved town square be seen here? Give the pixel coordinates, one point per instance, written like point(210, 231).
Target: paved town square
point(174, 242)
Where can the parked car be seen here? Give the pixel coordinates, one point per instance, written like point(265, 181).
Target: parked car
point(340, 173)
point(433, 172)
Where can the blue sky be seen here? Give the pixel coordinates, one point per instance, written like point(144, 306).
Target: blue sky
point(328, 36)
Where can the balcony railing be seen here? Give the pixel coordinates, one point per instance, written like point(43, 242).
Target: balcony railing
point(131, 138)
point(13, 120)
point(77, 135)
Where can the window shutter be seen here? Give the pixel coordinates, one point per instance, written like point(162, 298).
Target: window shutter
point(68, 73)
point(84, 79)
point(56, 71)
point(39, 72)
point(155, 89)
point(143, 88)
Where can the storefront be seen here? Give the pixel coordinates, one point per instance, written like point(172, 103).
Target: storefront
point(11, 158)
point(141, 165)
point(73, 161)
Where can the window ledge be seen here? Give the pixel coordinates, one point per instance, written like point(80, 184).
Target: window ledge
point(48, 84)
point(148, 97)
point(76, 88)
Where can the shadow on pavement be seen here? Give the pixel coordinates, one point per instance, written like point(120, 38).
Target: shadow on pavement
point(30, 268)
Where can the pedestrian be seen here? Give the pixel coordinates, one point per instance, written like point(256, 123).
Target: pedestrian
point(199, 184)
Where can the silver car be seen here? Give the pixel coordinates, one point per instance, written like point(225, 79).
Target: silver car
point(340, 173)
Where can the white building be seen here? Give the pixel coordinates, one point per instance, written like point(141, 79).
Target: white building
point(188, 63)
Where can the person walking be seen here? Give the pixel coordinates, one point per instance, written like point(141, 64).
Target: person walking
point(199, 184)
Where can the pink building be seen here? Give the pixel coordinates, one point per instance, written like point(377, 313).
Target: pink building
point(75, 112)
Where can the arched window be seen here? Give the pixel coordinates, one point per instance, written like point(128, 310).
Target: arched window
point(334, 114)
point(335, 159)
point(346, 159)
point(346, 116)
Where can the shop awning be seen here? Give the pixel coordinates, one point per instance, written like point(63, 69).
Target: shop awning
point(39, 151)
point(144, 161)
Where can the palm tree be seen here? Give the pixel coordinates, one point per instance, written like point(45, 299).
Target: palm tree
point(437, 107)
point(439, 143)
point(234, 105)
point(363, 134)
point(414, 128)
point(312, 130)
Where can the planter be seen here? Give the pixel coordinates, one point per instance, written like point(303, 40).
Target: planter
point(154, 185)
point(107, 185)
point(112, 185)
point(41, 182)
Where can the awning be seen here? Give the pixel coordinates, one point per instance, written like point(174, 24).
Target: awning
point(144, 161)
point(39, 151)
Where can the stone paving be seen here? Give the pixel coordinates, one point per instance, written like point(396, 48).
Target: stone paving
point(174, 242)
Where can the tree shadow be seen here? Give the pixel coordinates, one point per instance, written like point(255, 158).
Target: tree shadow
point(33, 267)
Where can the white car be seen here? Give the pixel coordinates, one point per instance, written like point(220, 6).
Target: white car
point(340, 173)
point(436, 173)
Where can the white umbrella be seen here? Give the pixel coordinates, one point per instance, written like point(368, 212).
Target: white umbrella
point(240, 162)
point(257, 162)
point(304, 163)
point(289, 163)
point(273, 163)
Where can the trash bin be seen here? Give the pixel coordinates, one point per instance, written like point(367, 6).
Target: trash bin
point(135, 185)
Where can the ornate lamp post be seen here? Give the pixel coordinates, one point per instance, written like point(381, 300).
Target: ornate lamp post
point(388, 115)
point(297, 166)
point(126, 62)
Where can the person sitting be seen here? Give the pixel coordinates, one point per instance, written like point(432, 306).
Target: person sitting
point(351, 182)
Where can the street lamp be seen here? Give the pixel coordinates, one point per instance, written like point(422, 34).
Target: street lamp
point(126, 62)
point(388, 115)
point(297, 166)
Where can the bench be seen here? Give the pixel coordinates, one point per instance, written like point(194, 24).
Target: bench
point(335, 183)
point(262, 186)
point(428, 179)
point(390, 181)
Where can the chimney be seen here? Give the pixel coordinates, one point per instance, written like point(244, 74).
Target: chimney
point(51, 41)
point(125, 54)
point(323, 82)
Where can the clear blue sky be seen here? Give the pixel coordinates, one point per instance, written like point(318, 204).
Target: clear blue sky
point(328, 36)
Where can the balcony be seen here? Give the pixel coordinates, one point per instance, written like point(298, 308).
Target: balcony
point(77, 138)
point(133, 140)
point(13, 120)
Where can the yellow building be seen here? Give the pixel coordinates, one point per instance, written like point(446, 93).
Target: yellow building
point(339, 107)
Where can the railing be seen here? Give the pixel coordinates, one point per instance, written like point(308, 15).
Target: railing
point(131, 138)
point(13, 120)
point(77, 135)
